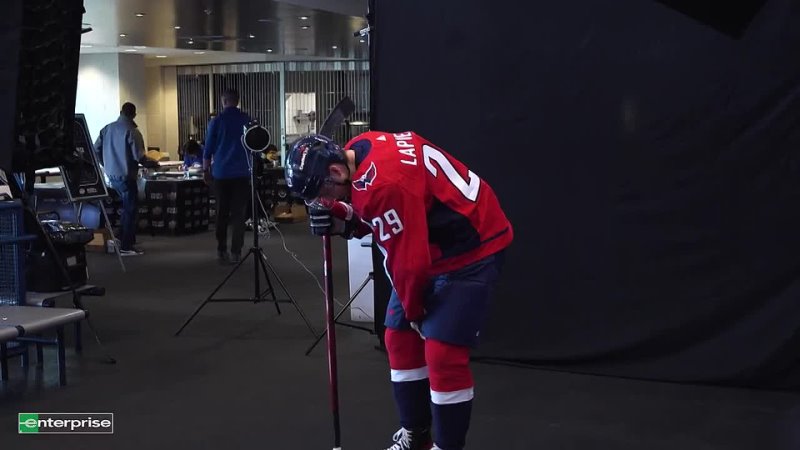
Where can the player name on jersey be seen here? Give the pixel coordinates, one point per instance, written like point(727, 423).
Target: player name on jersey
point(405, 146)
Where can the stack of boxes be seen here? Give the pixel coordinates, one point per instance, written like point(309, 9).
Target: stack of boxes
point(113, 206)
point(177, 206)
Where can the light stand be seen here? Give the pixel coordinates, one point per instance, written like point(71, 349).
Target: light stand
point(25, 193)
point(344, 309)
point(256, 139)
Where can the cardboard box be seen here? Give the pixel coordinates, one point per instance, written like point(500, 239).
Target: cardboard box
point(99, 241)
point(290, 214)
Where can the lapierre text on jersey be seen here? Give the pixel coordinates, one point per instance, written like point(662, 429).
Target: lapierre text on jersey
point(406, 146)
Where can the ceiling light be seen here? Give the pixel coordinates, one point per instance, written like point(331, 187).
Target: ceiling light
point(303, 17)
point(161, 56)
point(251, 36)
point(139, 14)
point(130, 50)
point(177, 27)
point(199, 53)
point(362, 41)
point(334, 47)
point(123, 35)
point(269, 50)
point(139, 46)
point(305, 27)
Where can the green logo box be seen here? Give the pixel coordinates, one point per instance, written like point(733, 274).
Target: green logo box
point(28, 423)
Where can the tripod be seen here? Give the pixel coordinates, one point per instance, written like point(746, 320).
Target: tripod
point(369, 278)
point(261, 266)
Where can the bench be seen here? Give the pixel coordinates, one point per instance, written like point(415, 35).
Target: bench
point(51, 299)
point(30, 322)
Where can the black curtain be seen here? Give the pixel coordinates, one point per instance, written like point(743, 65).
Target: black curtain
point(10, 30)
point(648, 161)
point(47, 84)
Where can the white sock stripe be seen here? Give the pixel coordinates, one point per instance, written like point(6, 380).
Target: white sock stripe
point(449, 398)
point(399, 376)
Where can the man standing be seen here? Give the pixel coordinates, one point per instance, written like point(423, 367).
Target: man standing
point(120, 148)
point(225, 161)
point(443, 233)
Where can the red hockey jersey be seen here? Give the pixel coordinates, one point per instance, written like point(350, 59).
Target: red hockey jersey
point(428, 212)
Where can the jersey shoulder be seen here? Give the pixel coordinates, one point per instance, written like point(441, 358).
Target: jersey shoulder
point(388, 159)
point(367, 140)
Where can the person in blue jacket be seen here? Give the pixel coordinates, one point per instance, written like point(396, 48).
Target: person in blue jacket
point(192, 154)
point(227, 169)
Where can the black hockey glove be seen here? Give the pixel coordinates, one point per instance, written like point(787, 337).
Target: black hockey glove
point(323, 223)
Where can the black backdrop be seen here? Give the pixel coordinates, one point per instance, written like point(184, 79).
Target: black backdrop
point(10, 31)
point(649, 163)
point(47, 82)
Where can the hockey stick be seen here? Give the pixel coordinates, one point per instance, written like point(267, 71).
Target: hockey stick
point(340, 112)
point(333, 374)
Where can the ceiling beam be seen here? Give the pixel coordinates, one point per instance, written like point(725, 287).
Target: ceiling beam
point(357, 8)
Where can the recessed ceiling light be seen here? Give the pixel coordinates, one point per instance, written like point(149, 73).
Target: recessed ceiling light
point(199, 53)
point(334, 47)
point(123, 35)
point(177, 27)
point(190, 42)
point(303, 17)
point(139, 14)
point(269, 50)
point(161, 56)
point(251, 36)
point(362, 41)
point(139, 46)
point(305, 27)
point(129, 50)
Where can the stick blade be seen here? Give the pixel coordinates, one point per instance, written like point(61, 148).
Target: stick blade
point(336, 118)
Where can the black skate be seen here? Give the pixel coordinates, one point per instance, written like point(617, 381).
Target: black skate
point(418, 439)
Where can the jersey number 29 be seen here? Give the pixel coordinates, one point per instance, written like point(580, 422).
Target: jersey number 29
point(393, 224)
point(468, 188)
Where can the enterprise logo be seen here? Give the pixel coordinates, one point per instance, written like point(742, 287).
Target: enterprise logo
point(66, 423)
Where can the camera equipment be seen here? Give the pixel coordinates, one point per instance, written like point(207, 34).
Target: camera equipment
point(256, 139)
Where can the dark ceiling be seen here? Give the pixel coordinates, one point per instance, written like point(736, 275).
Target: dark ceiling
point(292, 28)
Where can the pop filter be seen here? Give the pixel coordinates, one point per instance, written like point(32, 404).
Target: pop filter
point(256, 138)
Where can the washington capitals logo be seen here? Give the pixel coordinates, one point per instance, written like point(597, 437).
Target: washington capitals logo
point(366, 180)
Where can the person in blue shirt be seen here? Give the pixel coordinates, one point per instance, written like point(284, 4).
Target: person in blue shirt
point(226, 167)
point(192, 154)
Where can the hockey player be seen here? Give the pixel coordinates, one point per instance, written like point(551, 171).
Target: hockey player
point(443, 235)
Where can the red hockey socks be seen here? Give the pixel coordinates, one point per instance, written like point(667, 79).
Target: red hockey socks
point(451, 393)
point(409, 378)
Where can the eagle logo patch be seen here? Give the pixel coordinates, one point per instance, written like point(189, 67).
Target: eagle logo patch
point(367, 179)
